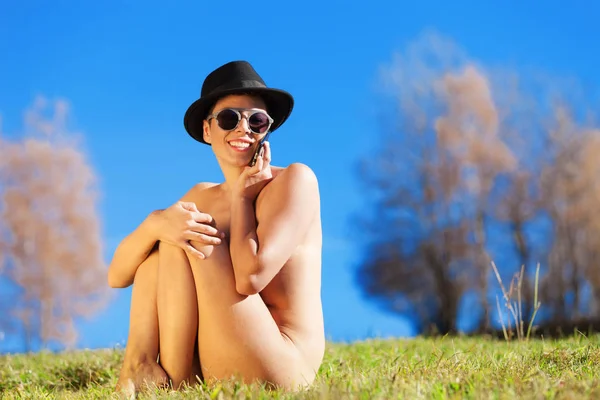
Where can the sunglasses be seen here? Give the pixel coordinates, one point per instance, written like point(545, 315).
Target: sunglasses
point(228, 119)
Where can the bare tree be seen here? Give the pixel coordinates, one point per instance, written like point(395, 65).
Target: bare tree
point(465, 150)
point(471, 130)
point(432, 180)
point(571, 193)
point(50, 232)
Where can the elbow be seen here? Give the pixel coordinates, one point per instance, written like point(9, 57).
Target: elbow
point(251, 281)
point(115, 281)
point(249, 285)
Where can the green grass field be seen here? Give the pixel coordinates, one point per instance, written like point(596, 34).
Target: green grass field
point(444, 368)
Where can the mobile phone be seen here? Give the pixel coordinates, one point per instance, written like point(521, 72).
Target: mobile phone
point(258, 148)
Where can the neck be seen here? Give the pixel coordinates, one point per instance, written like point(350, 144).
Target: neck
point(231, 174)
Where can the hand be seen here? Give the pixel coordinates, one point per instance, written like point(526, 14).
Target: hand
point(181, 223)
point(253, 179)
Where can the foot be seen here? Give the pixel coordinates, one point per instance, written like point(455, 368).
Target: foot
point(134, 378)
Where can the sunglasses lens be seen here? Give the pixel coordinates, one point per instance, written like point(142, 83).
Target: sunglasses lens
point(259, 122)
point(227, 119)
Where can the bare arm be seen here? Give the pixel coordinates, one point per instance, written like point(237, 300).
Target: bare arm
point(259, 252)
point(132, 251)
point(177, 225)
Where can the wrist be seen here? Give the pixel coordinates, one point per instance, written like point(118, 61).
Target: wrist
point(242, 197)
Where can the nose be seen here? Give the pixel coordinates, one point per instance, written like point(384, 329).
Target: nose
point(244, 125)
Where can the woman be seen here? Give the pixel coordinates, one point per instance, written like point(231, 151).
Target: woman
point(226, 281)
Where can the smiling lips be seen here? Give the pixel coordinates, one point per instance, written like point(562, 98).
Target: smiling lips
point(240, 145)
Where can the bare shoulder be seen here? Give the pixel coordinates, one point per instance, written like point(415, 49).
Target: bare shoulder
point(197, 191)
point(292, 185)
point(296, 176)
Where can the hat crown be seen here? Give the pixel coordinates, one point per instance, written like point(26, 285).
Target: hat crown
point(233, 78)
point(233, 75)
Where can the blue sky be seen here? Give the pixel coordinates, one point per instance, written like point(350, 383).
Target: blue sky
point(130, 69)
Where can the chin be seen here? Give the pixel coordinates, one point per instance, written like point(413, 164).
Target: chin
point(240, 159)
point(234, 158)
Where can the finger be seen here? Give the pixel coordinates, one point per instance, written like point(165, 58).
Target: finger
point(259, 164)
point(202, 238)
point(206, 229)
point(267, 153)
point(250, 171)
point(202, 218)
point(191, 250)
point(188, 205)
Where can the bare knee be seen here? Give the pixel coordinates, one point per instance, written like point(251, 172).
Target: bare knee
point(171, 251)
point(171, 258)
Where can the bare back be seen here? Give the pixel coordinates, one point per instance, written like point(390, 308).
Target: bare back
point(293, 296)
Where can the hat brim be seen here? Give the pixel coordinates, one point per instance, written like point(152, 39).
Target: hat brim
point(279, 105)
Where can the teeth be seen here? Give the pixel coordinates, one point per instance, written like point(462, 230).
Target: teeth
point(240, 145)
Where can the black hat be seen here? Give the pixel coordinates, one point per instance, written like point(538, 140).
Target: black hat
point(232, 78)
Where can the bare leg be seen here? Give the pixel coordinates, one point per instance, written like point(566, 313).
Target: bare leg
point(237, 334)
point(139, 366)
point(177, 314)
point(196, 375)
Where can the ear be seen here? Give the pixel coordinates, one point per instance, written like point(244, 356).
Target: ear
point(206, 131)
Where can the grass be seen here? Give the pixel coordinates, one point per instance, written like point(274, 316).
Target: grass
point(434, 368)
point(419, 368)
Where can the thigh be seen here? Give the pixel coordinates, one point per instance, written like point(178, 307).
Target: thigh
point(237, 335)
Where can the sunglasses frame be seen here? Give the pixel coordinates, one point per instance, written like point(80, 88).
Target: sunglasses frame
point(240, 116)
